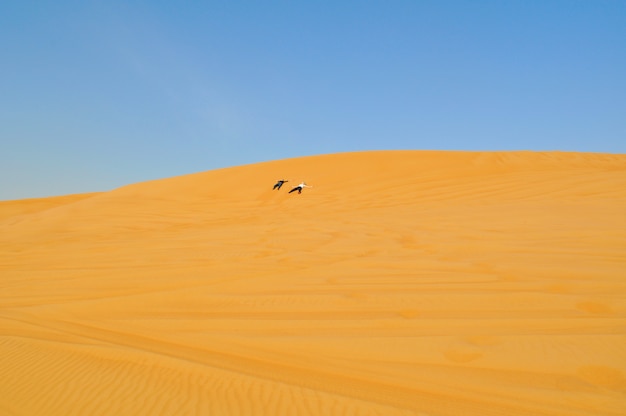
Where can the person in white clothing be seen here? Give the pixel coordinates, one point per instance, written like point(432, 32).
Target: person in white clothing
point(300, 187)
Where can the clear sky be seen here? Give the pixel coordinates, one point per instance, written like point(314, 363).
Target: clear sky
point(99, 94)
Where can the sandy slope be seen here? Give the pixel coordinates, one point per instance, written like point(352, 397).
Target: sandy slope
point(403, 283)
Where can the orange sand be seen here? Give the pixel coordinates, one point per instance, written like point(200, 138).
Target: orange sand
point(402, 283)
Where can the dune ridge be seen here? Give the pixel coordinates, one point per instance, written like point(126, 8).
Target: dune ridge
point(403, 283)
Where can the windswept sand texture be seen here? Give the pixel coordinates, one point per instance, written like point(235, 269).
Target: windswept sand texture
point(402, 283)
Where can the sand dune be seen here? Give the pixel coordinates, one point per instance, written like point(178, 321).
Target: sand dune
point(402, 283)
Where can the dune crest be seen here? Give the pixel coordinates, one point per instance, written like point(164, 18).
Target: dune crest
point(402, 283)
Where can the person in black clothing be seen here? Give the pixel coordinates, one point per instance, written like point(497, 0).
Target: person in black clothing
point(279, 184)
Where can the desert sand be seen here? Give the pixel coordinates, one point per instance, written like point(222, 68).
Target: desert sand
point(402, 283)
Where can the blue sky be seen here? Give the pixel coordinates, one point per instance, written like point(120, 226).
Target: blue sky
point(99, 94)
